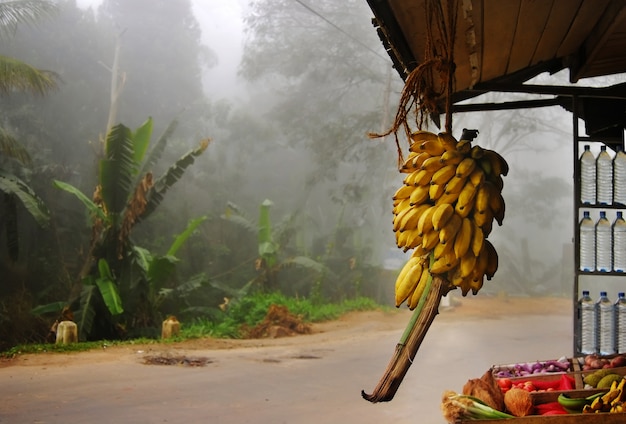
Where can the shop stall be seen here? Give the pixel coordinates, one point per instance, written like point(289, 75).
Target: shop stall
point(448, 52)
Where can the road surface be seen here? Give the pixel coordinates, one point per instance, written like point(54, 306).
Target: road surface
point(313, 378)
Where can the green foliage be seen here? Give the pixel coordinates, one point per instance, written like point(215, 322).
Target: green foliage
point(249, 311)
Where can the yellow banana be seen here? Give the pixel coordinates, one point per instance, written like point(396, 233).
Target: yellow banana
point(410, 179)
point(458, 281)
point(492, 260)
point(407, 165)
point(465, 202)
point(485, 190)
point(412, 239)
point(478, 239)
point(433, 163)
point(478, 274)
point(451, 157)
point(419, 195)
point(465, 167)
point(425, 223)
point(418, 137)
point(409, 220)
point(442, 250)
point(419, 159)
point(463, 238)
point(443, 175)
point(401, 238)
point(476, 283)
point(400, 205)
point(467, 263)
point(423, 177)
point(464, 146)
point(448, 141)
point(403, 192)
point(484, 219)
point(448, 232)
point(488, 224)
point(455, 185)
point(397, 219)
point(430, 240)
point(450, 198)
point(433, 147)
point(441, 215)
point(435, 191)
point(419, 290)
point(477, 176)
point(497, 205)
point(407, 280)
point(440, 266)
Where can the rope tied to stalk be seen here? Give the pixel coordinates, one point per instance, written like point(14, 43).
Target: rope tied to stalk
point(432, 80)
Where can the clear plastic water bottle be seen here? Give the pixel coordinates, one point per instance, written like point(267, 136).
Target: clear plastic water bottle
point(619, 243)
point(604, 177)
point(604, 244)
point(587, 324)
point(619, 177)
point(587, 254)
point(620, 323)
point(605, 325)
point(587, 177)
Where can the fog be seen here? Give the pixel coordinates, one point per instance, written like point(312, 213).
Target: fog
point(287, 95)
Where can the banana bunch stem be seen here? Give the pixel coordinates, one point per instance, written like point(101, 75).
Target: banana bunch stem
point(407, 347)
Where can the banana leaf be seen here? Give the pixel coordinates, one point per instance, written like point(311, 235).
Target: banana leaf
point(54, 307)
point(10, 147)
point(117, 170)
point(141, 141)
point(242, 221)
point(161, 269)
point(182, 237)
point(173, 174)
point(86, 314)
point(94, 209)
point(308, 263)
point(158, 148)
point(13, 186)
point(108, 289)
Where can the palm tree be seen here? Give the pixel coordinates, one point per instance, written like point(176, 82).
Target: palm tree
point(16, 75)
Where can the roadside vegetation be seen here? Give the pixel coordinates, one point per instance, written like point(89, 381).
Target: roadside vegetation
point(250, 311)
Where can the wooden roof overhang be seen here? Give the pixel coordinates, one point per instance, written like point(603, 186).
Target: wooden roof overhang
point(501, 44)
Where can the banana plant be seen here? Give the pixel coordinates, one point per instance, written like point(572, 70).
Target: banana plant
point(127, 193)
point(271, 259)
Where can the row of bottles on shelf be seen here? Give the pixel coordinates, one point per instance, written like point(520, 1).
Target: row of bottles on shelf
point(603, 178)
point(602, 324)
point(602, 243)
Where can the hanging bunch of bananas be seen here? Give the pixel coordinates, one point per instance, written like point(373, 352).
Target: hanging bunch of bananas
point(451, 194)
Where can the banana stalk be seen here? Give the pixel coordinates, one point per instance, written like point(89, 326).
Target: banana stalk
point(407, 347)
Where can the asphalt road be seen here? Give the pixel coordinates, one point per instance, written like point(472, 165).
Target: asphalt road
point(316, 380)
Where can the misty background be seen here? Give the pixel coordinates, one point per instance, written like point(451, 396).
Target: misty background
point(287, 91)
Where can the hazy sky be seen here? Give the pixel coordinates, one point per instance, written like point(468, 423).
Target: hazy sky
point(222, 31)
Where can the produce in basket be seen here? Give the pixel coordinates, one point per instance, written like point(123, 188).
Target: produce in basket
point(456, 407)
point(518, 402)
point(445, 210)
point(611, 401)
point(486, 389)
